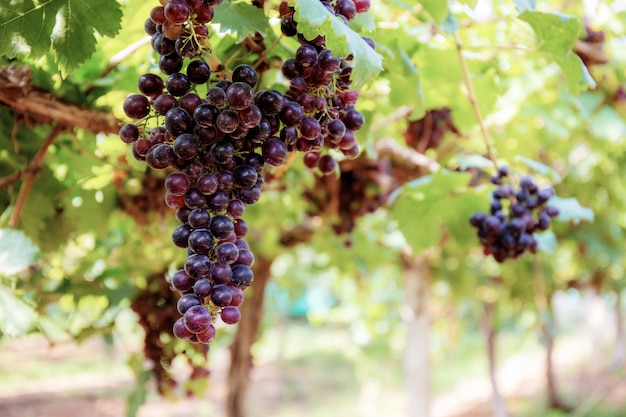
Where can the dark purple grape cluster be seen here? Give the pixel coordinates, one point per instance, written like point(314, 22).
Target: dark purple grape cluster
point(320, 110)
point(217, 147)
point(514, 216)
point(179, 30)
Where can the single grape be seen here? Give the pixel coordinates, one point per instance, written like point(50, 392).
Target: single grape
point(199, 218)
point(186, 301)
point(197, 319)
point(136, 106)
point(245, 74)
point(230, 315)
point(221, 226)
point(177, 183)
point(242, 275)
point(198, 72)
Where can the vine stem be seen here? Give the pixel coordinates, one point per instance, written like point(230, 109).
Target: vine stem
point(30, 173)
point(471, 95)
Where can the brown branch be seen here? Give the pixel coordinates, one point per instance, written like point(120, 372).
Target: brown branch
point(471, 96)
point(10, 179)
point(22, 98)
point(31, 173)
point(405, 157)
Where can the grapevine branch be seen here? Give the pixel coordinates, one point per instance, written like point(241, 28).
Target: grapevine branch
point(471, 95)
point(31, 173)
point(41, 107)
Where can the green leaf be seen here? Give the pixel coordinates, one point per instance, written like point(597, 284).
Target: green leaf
point(16, 317)
point(542, 169)
point(438, 9)
point(424, 208)
point(17, 251)
point(240, 19)
point(556, 34)
point(313, 19)
point(68, 26)
point(523, 5)
point(570, 209)
point(546, 241)
point(474, 161)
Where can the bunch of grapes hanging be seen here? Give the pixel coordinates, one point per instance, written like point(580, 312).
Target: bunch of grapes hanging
point(216, 145)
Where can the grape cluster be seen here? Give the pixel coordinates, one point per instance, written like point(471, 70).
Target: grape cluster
point(515, 214)
point(320, 108)
point(216, 145)
point(427, 132)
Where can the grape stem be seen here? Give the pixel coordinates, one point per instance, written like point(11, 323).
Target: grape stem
point(31, 172)
point(471, 95)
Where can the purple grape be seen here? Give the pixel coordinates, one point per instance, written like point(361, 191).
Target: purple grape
point(221, 273)
point(150, 85)
point(198, 72)
point(199, 218)
point(177, 121)
point(227, 253)
point(207, 184)
point(250, 195)
point(230, 315)
point(136, 106)
point(178, 84)
point(186, 301)
point(237, 296)
point(207, 336)
point(274, 152)
point(242, 275)
point(129, 133)
point(197, 319)
point(201, 241)
point(181, 281)
point(202, 288)
point(245, 74)
point(198, 266)
point(239, 95)
point(221, 295)
point(221, 226)
point(245, 176)
point(194, 198)
point(186, 146)
point(235, 208)
point(180, 331)
point(170, 64)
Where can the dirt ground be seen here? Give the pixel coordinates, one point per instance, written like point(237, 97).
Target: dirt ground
point(102, 394)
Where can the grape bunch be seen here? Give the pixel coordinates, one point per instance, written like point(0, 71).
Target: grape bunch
point(216, 148)
point(215, 135)
point(427, 132)
point(514, 216)
point(320, 108)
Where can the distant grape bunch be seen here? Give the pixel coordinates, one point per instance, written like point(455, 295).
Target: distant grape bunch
point(216, 145)
point(514, 216)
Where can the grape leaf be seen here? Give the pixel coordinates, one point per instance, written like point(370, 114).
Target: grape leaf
point(430, 205)
point(17, 251)
point(556, 34)
point(313, 19)
point(66, 25)
point(16, 317)
point(570, 209)
point(241, 19)
point(438, 9)
point(542, 169)
point(546, 241)
point(523, 5)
